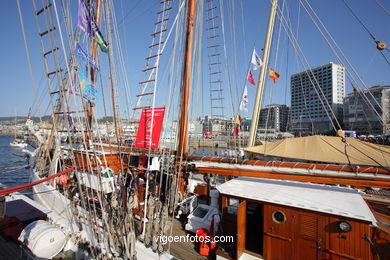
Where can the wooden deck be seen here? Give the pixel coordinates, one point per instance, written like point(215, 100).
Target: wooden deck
point(183, 250)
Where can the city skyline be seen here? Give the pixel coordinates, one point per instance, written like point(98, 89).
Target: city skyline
point(18, 94)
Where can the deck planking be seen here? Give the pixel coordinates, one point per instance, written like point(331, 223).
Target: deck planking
point(183, 250)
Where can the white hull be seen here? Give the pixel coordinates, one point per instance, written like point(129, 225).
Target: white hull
point(52, 199)
point(18, 145)
point(46, 195)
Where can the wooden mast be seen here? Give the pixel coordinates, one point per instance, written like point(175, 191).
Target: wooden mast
point(263, 73)
point(186, 83)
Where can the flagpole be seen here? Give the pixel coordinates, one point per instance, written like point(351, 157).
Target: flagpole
point(263, 73)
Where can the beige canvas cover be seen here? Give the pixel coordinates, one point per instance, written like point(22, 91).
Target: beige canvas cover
point(328, 149)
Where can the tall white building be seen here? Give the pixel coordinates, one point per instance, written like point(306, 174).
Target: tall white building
point(308, 104)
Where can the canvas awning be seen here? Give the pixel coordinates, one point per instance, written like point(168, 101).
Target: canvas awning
point(327, 149)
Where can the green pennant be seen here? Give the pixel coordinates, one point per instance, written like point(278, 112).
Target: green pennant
point(101, 42)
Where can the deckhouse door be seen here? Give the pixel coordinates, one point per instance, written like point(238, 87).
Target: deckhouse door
point(241, 228)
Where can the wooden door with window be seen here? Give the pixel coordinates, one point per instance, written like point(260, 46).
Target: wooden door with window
point(241, 228)
point(292, 234)
point(278, 233)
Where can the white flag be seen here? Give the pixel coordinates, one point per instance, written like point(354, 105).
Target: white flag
point(256, 61)
point(244, 100)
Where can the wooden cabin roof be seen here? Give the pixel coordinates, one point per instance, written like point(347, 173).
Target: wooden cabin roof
point(315, 197)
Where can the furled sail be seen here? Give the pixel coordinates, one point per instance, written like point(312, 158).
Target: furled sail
point(327, 149)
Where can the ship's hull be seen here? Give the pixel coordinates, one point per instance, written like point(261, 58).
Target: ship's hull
point(49, 197)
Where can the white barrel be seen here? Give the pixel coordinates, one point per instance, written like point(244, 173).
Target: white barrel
point(43, 239)
point(214, 195)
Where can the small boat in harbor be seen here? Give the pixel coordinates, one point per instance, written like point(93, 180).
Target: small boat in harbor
point(18, 143)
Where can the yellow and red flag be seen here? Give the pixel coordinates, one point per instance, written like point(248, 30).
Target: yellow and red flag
point(273, 74)
point(238, 120)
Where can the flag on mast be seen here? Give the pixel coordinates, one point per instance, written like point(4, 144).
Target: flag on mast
point(84, 19)
point(80, 52)
point(256, 61)
point(238, 120)
point(236, 131)
point(237, 127)
point(244, 100)
point(273, 75)
point(250, 78)
point(87, 25)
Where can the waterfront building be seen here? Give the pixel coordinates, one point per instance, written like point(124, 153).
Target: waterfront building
point(309, 112)
point(367, 112)
point(274, 117)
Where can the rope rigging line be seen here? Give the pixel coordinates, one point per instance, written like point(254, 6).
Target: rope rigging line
point(287, 69)
point(233, 40)
point(27, 53)
point(161, 46)
point(228, 77)
point(120, 56)
point(349, 75)
point(367, 30)
point(382, 7)
point(197, 69)
point(174, 81)
point(93, 238)
point(309, 72)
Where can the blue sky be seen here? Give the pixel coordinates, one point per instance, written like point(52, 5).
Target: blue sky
point(138, 17)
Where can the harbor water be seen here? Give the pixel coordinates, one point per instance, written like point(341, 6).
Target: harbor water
point(13, 164)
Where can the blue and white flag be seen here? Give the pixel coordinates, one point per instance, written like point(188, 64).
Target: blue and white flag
point(256, 61)
point(83, 87)
point(86, 57)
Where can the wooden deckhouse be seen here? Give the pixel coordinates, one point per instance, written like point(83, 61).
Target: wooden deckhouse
point(278, 219)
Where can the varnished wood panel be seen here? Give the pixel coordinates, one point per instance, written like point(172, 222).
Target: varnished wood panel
point(278, 237)
point(241, 228)
point(309, 235)
point(350, 245)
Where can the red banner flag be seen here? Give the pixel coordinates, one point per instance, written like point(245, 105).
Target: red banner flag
point(145, 128)
point(250, 78)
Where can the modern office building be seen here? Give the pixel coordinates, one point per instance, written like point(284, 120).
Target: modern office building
point(316, 95)
point(367, 112)
point(274, 117)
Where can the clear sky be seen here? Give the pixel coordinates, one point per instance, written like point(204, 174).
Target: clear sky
point(136, 20)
